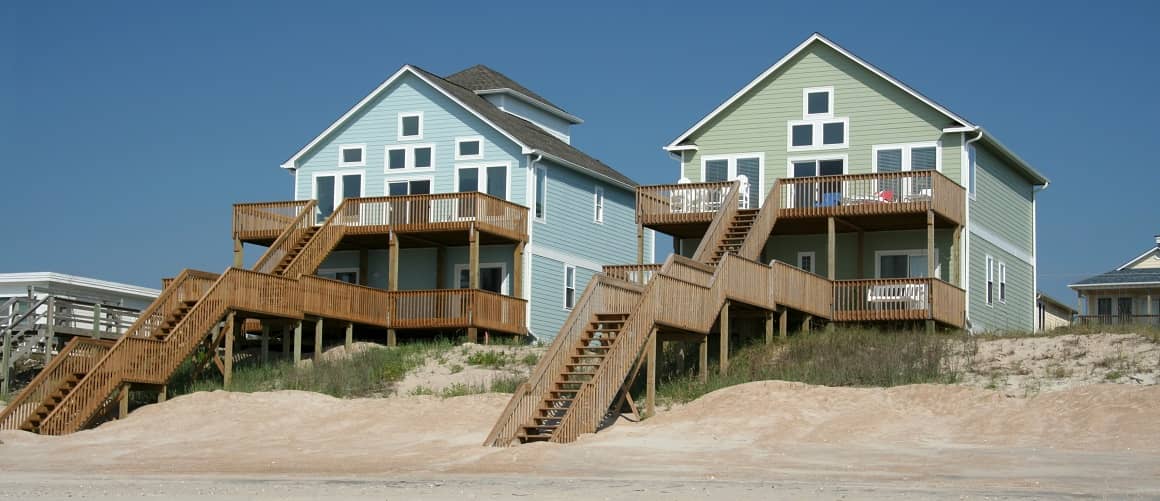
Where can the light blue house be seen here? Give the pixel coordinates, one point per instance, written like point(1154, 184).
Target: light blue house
point(548, 216)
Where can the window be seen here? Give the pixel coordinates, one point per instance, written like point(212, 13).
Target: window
point(990, 280)
point(716, 168)
point(806, 261)
point(1104, 306)
point(569, 287)
point(1124, 306)
point(1002, 282)
point(907, 158)
point(418, 156)
point(971, 170)
point(348, 275)
point(818, 102)
point(541, 193)
point(352, 155)
point(818, 134)
point(911, 263)
point(492, 277)
point(821, 193)
point(492, 179)
point(598, 204)
point(469, 148)
point(411, 125)
point(409, 187)
point(331, 188)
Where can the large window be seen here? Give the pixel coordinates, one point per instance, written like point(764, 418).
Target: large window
point(821, 193)
point(569, 287)
point(541, 193)
point(492, 180)
point(906, 158)
point(411, 125)
point(818, 129)
point(903, 264)
point(728, 167)
point(331, 188)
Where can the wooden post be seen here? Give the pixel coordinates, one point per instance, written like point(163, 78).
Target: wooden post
point(783, 324)
point(265, 353)
point(518, 271)
point(123, 402)
point(392, 340)
point(768, 327)
point(806, 323)
point(473, 258)
point(286, 337)
point(297, 341)
point(348, 343)
point(956, 257)
point(393, 262)
point(640, 249)
point(440, 260)
point(96, 321)
point(50, 334)
point(930, 261)
point(239, 261)
point(651, 382)
point(861, 254)
point(831, 249)
point(162, 394)
point(232, 326)
point(7, 361)
point(364, 266)
point(703, 363)
point(318, 340)
point(724, 338)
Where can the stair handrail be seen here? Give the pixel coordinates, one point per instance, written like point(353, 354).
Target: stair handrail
point(715, 234)
point(87, 353)
point(329, 234)
point(277, 250)
point(762, 224)
point(522, 405)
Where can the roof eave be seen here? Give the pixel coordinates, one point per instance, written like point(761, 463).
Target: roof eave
point(581, 168)
point(1116, 285)
point(559, 113)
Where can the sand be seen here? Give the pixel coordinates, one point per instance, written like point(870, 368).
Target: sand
point(754, 441)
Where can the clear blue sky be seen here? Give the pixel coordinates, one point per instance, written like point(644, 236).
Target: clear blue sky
point(129, 129)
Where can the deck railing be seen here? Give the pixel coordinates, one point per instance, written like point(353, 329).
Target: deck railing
point(680, 203)
point(78, 357)
point(898, 299)
point(879, 193)
point(715, 234)
point(635, 273)
point(1141, 320)
point(293, 232)
point(801, 290)
point(265, 220)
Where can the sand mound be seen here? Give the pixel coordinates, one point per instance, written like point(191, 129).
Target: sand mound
point(1027, 366)
point(341, 353)
point(455, 368)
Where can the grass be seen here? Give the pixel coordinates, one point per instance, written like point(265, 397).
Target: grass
point(368, 373)
point(489, 359)
point(843, 357)
point(500, 384)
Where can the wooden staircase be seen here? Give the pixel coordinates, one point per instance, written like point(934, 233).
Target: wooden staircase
point(172, 319)
point(50, 402)
point(53, 384)
point(587, 355)
point(735, 234)
point(294, 250)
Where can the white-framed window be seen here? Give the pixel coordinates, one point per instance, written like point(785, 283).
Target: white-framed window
point(348, 275)
point(1002, 282)
point(816, 194)
point(410, 186)
point(484, 178)
point(905, 263)
point(331, 188)
point(492, 277)
point(715, 168)
point(569, 286)
point(352, 155)
point(971, 167)
point(816, 134)
point(410, 125)
point(409, 157)
point(818, 102)
point(540, 212)
point(598, 205)
point(907, 158)
point(469, 148)
point(806, 261)
point(990, 280)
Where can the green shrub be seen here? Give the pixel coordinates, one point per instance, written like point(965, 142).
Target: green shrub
point(489, 359)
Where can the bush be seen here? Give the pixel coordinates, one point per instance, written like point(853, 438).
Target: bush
point(489, 359)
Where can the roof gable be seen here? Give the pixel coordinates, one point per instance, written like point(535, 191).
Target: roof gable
point(1147, 260)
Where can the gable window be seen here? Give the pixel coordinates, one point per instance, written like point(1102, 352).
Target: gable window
point(541, 193)
point(409, 187)
point(990, 280)
point(806, 261)
point(569, 287)
point(816, 134)
point(818, 102)
point(469, 148)
point(491, 179)
point(903, 264)
point(598, 204)
point(352, 155)
point(1002, 282)
point(411, 125)
point(716, 168)
point(419, 156)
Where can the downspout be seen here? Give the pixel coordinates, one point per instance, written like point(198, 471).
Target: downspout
point(965, 263)
point(530, 187)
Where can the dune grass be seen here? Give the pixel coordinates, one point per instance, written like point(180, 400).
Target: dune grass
point(843, 357)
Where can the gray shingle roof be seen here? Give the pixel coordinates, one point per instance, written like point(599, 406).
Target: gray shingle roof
point(1123, 277)
point(524, 131)
point(480, 77)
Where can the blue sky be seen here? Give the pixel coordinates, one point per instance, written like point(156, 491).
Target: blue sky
point(129, 129)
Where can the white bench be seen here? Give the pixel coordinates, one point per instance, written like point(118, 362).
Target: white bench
point(912, 295)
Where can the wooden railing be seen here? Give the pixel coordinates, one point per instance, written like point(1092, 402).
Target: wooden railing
point(1140, 320)
point(680, 203)
point(498, 312)
point(898, 299)
point(880, 193)
point(636, 273)
point(438, 212)
point(265, 219)
point(78, 357)
point(291, 234)
point(801, 290)
point(715, 235)
point(948, 303)
point(762, 225)
point(325, 239)
point(603, 294)
point(190, 285)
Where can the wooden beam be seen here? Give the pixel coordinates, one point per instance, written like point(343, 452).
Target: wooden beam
point(831, 249)
point(956, 257)
point(162, 394)
point(930, 261)
point(768, 327)
point(393, 262)
point(724, 351)
point(651, 376)
point(232, 327)
point(123, 402)
point(6, 362)
point(639, 243)
point(286, 338)
point(318, 325)
point(297, 341)
point(806, 323)
point(846, 222)
point(392, 340)
point(861, 254)
point(440, 262)
point(239, 259)
point(518, 270)
point(473, 257)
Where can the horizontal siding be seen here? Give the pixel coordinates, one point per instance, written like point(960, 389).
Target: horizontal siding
point(1002, 203)
point(1018, 313)
point(785, 248)
point(879, 113)
point(547, 295)
point(570, 225)
point(417, 266)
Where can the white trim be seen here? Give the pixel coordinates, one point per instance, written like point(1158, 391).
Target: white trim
point(652, 236)
point(338, 183)
point(598, 205)
point(505, 282)
point(813, 260)
point(908, 253)
point(1002, 243)
point(806, 102)
point(362, 156)
point(907, 148)
point(48, 278)
point(845, 158)
point(478, 156)
point(731, 171)
point(971, 160)
point(1002, 282)
point(543, 218)
point(817, 135)
point(564, 292)
point(482, 169)
point(565, 257)
point(1131, 263)
point(989, 287)
point(816, 37)
point(409, 179)
point(409, 114)
point(408, 157)
point(1116, 285)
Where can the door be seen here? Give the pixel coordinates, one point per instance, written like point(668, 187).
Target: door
point(821, 193)
point(490, 277)
point(331, 189)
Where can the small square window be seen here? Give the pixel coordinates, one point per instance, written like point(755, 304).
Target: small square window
point(803, 135)
point(468, 148)
point(397, 158)
point(351, 155)
point(818, 103)
point(422, 157)
point(834, 133)
point(410, 126)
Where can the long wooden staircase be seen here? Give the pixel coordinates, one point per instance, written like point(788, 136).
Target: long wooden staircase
point(579, 379)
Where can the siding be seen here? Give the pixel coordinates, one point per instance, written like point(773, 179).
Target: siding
point(1018, 313)
point(443, 121)
point(547, 301)
point(1002, 203)
point(879, 113)
point(786, 247)
point(417, 266)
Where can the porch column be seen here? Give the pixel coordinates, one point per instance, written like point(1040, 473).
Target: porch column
point(393, 264)
point(703, 362)
point(806, 323)
point(639, 243)
point(6, 363)
point(769, 327)
point(162, 394)
point(232, 327)
point(364, 266)
point(297, 341)
point(349, 342)
point(831, 249)
point(473, 279)
point(724, 352)
point(239, 261)
point(318, 340)
point(651, 382)
point(956, 257)
point(50, 327)
point(123, 402)
point(930, 261)
point(783, 324)
point(286, 337)
point(518, 271)
point(265, 353)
